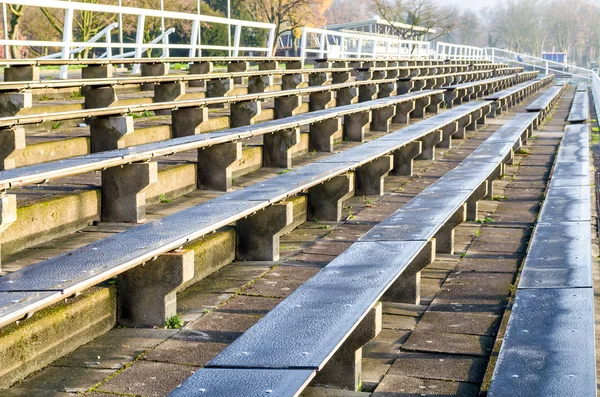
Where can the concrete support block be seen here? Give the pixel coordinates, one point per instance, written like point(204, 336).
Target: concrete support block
point(124, 191)
point(451, 98)
point(403, 111)
point(473, 201)
point(447, 133)
point(340, 77)
point(364, 74)
point(22, 73)
point(8, 213)
point(429, 143)
point(99, 97)
point(146, 294)
point(356, 125)
point(407, 287)
point(277, 148)
point(367, 92)
point(382, 118)
point(476, 117)
point(405, 86)
point(153, 69)
point(496, 174)
point(370, 176)
point(244, 113)
point(188, 121)
point(287, 106)
point(321, 100)
point(421, 105)
point(167, 92)
point(444, 238)
point(325, 200)
point(97, 72)
point(12, 142)
point(199, 68)
point(317, 79)
point(258, 235)
point(267, 65)
point(12, 103)
point(346, 96)
point(106, 133)
point(435, 103)
point(386, 90)
point(215, 165)
point(343, 370)
point(218, 87)
point(321, 134)
point(404, 157)
point(461, 132)
point(258, 84)
point(238, 66)
point(291, 81)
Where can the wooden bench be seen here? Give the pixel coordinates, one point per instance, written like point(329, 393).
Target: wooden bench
point(323, 324)
point(548, 348)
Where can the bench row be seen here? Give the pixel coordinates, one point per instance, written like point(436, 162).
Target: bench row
point(327, 184)
point(17, 97)
point(111, 127)
point(317, 333)
point(548, 347)
point(29, 69)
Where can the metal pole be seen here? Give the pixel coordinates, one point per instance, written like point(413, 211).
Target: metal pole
point(199, 52)
point(228, 25)
point(5, 28)
point(121, 28)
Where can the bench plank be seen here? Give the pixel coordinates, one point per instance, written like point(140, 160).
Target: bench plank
point(322, 312)
point(580, 109)
point(216, 382)
point(548, 347)
point(559, 256)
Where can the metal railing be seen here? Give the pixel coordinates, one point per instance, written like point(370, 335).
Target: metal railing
point(195, 45)
point(459, 52)
point(544, 65)
point(596, 92)
point(336, 44)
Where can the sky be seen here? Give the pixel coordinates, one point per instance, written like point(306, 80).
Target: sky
point(474, 4)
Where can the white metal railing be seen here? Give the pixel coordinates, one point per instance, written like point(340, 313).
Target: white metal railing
point(336, 44)
point(544, 65)
point(596, 92)
point(195, 45)
point(106, 32)
point(457, 51)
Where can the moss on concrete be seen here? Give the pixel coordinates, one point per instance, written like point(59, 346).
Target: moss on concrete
point(51, 333)
point(211, 253)
point(46, 220)
point(52, 151)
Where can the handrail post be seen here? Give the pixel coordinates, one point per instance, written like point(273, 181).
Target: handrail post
point(236, 40)
point(303, 46)
point(139, 40)
point(271, 41)
point(194, 38)
point(322, 45)
point(67, 39)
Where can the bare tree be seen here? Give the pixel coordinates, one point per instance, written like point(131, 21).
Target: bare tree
point(342, 11)
point(417, 13)
point(288, 15)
